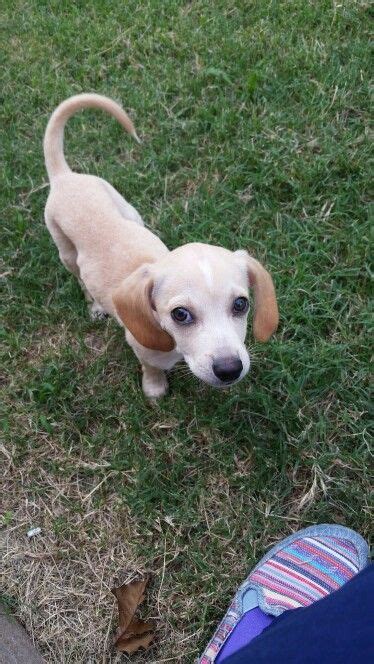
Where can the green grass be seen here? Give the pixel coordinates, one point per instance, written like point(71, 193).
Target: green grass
point(255, 125)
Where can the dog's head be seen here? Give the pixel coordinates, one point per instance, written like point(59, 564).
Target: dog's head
point(195, 300)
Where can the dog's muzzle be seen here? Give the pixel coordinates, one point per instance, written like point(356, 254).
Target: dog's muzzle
point(227, 369)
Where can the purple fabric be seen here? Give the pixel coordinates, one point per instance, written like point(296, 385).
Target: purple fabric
point(250, 625)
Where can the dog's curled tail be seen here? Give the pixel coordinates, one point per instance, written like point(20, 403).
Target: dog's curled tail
point(54, 135)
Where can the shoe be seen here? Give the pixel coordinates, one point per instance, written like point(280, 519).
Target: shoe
point(300, 570)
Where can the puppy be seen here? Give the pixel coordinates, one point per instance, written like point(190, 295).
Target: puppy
point(190, 303)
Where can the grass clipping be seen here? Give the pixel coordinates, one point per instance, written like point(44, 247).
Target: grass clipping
point(133, 633)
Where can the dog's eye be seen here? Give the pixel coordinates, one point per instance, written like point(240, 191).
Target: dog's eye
point(240, 305)
point(182, 315)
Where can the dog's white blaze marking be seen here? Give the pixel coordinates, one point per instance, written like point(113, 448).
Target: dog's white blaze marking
point(207, 272)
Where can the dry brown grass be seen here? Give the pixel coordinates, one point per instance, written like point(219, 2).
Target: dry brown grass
point(60, 581)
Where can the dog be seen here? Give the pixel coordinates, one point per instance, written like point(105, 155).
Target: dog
point(190, 303)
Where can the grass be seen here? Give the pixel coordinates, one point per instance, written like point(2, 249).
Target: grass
point(255, 125)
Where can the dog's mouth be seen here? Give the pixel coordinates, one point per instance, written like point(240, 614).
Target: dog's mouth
point(212, 380)
point(222, 385)
point(222, 373)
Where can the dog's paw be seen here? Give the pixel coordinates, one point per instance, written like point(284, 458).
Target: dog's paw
point(154, 383)
point(97, 312)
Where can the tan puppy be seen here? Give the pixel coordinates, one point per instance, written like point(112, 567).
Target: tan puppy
point(190, 303)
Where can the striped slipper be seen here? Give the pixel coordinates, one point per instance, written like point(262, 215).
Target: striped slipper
point(298, 571)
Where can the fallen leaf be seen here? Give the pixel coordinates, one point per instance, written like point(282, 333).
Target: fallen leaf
point(129, 596)
point(139, 634)
point(132, 633)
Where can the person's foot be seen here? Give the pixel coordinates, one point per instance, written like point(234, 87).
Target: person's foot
point(298, 571)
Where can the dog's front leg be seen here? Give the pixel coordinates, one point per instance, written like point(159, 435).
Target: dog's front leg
point(154, 363)
point(154, 382)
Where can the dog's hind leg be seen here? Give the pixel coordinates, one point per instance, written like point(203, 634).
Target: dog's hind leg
point(66, 249)
point(68, 256)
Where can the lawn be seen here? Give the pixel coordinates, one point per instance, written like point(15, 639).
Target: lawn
point(254, 118)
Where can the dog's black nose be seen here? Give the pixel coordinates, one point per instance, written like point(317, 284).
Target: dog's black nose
point(228, 368)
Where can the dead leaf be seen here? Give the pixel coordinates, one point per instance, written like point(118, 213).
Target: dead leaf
point(135, 643)
point(139, 634)
point(129, 596)
point(132, 633)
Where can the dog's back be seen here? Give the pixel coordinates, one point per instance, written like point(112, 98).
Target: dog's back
point(101, 237)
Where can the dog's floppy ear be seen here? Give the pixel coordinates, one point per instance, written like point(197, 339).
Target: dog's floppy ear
point(266, 316)
point(133, 304)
